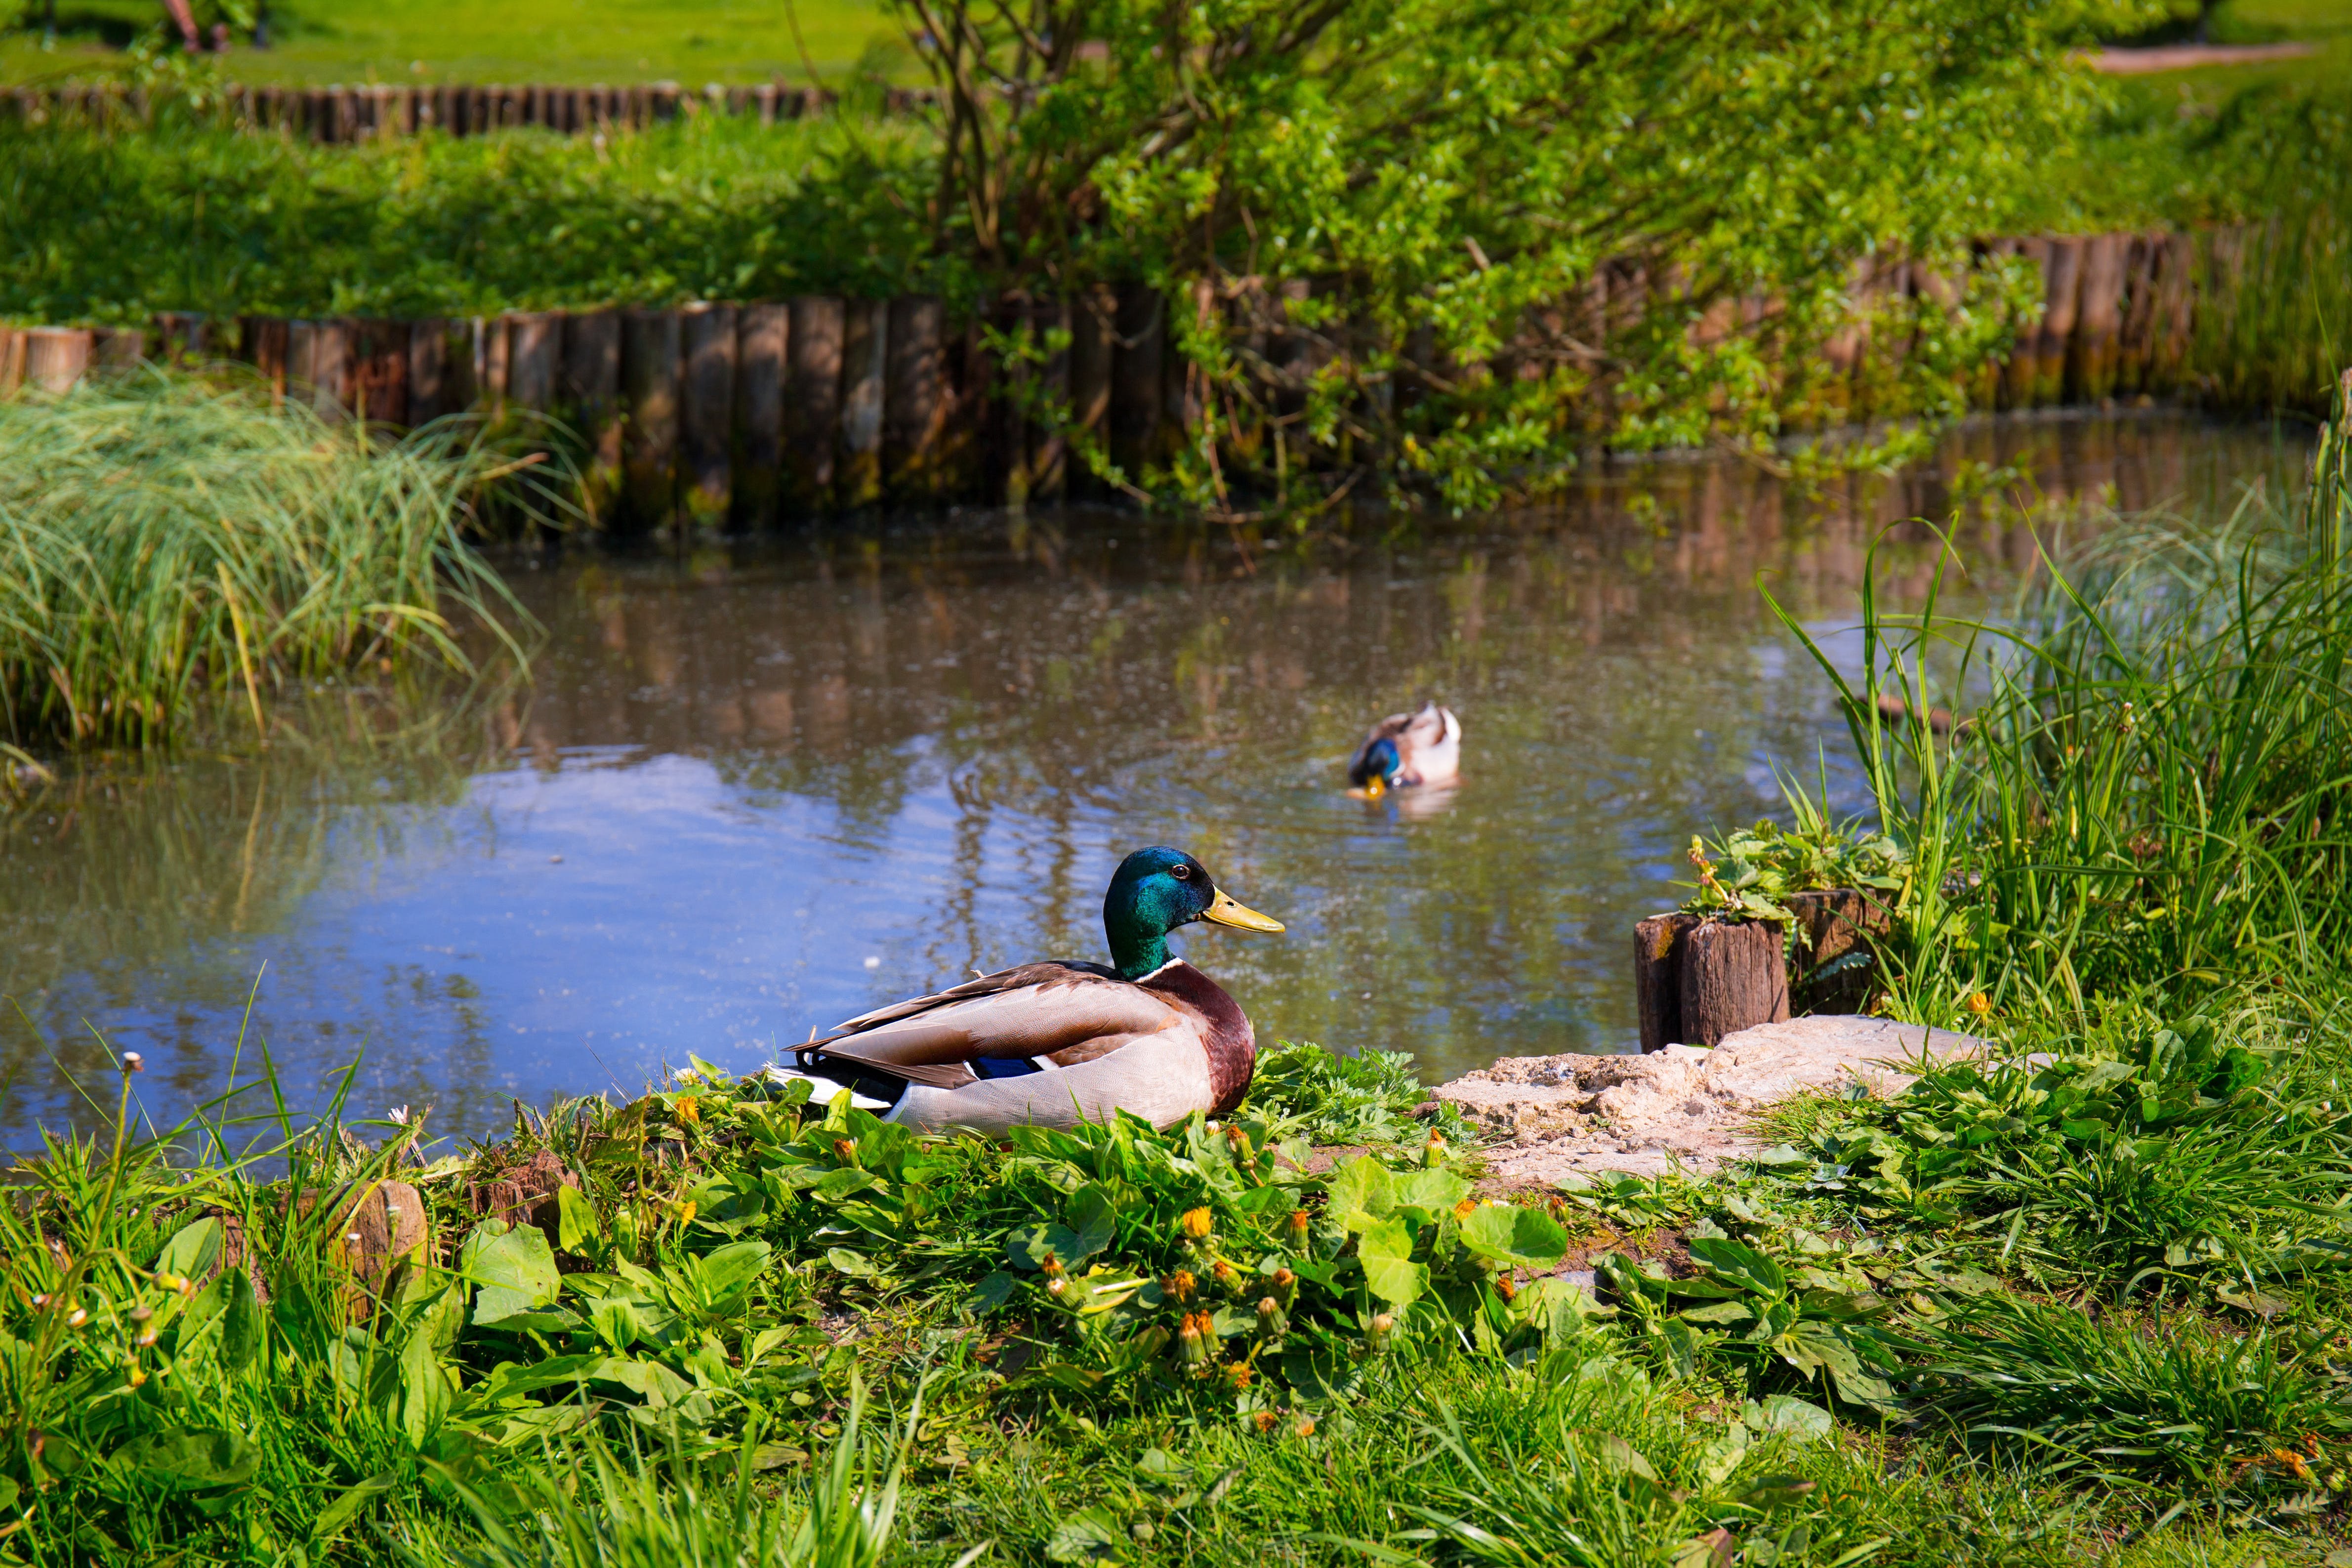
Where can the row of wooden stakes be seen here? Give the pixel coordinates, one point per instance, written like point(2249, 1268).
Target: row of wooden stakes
point(718, 415)
point(378, 110)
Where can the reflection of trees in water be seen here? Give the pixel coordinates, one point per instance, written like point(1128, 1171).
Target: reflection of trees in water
point(991, 710)
point(135, 882)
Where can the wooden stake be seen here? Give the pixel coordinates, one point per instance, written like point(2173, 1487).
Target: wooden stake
point(1657, 978)
point(12, 359)
point(2017, 376)
point(187, 336)
point(533, 340)
point(915, 400)
point(589, 392)
point(2092, 357)
point(1733, 978)
point(2061, 294)
point(118, 348)
point(379, 372)
point(865, 361)
point(706, 416)
point(815, 341)
point(762, 342)
point(262, 343)
point(56, 358)
point(429, 372)
point(649, 391)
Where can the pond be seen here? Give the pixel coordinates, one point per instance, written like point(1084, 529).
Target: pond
point(751, 791)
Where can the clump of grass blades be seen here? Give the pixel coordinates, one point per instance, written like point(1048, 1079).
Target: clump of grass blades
point(163, 539)
point(2150, 791)
point(2179, 1402)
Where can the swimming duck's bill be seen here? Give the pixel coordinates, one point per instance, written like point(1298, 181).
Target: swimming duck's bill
point(1226, 912)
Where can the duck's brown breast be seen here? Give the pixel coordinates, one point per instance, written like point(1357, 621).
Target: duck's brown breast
point(1225, 1034)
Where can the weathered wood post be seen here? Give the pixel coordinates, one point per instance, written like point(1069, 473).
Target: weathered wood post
point(1657, 978)
point(707, 414)
point(533, 340)
point(812, 413)
point(865, 363)
point(1733, 977)
point(2016, 390)
point(649, 378)
point(12, 359)
point(118, 348)
point(2133, 333)
point(915, 400)
point(2176, 310)
point(1835, 926)
point(590, 395)
point(379, 371)
point(763, 344)
point(263, 342)
point(2061, 309)
point(2098, 326)
point(56, 358)
point(186, 336)
point(430, 395)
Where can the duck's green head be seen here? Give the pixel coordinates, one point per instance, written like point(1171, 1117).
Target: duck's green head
point(1156, 890)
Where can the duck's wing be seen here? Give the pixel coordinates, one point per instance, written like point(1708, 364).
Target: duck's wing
point(1056, 1014)
point(1430, 744)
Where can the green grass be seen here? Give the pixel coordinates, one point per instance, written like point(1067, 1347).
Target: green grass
point(174, 549)
point(570, 41)
point(214, 221)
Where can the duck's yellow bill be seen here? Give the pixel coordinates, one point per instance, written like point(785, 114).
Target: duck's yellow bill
point(1375, 788)
point(1225, 912)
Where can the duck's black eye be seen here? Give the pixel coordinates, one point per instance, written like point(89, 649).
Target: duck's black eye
point(1182, 873)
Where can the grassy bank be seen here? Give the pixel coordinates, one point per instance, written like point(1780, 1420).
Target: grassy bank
point(175, 549)
point(2088, 1305)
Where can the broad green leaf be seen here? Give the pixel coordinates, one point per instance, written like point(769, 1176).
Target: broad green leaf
point(424, 1392)
point(1512, 1236)
point(576, 1223)
point(1028, 1248)
point(515, 1259)
point(185, 1461)
point(1786, 1412)
point(728, 1271)
point(1361, 1193)
point(1385, 1254)
point(655, 1383)
point(1089, 1535)
point(1740, 1265)
point(1321, 1375)
point(992, 1292)
point(1433, 1192)
point(242, 1323)
point(193, 1250)
point(1092, 1220)
point(856, 1265)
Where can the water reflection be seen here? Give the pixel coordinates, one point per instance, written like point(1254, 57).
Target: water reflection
point(760, 789)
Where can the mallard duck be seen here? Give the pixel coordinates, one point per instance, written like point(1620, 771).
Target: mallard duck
point(1048, 1043)
point(1409, 751)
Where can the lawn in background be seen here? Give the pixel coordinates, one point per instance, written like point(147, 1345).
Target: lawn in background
point(690, 41)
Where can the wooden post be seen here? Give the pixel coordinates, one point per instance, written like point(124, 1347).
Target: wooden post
point(56, 358)
point(262, 342)
point(491, 359)
point(1733, 977)
point(379, 372)
point(865, 359)
point(1031, 455)
point(2098, 326)
point(2062, 293)
point(649, 378)
point(707, 413)
point(812, 415)
point(1137, 397)
point(1094, 330)
point(1657, 978)
point(2175, 310)
point(915, 400)
point(762, 342)
point(1838, 923)
point(533, 338)
point(2138, 314)
point(12, 359)
point(590, 395)
point(430, 395)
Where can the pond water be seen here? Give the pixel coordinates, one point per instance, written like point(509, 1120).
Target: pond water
point(753, 790)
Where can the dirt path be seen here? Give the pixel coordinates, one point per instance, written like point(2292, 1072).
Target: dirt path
point(2186, 57)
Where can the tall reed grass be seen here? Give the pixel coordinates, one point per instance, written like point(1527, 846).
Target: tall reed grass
point(2152, 790)
point(163, 539)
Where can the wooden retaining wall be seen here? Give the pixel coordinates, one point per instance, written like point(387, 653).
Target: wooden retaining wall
point(379, 110)
point(734, 414)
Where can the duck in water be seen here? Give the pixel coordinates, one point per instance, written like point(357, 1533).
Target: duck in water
point(1046, 1044)
point(1421, 749)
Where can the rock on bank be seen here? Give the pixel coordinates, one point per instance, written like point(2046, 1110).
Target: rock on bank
point(1557, 1116)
